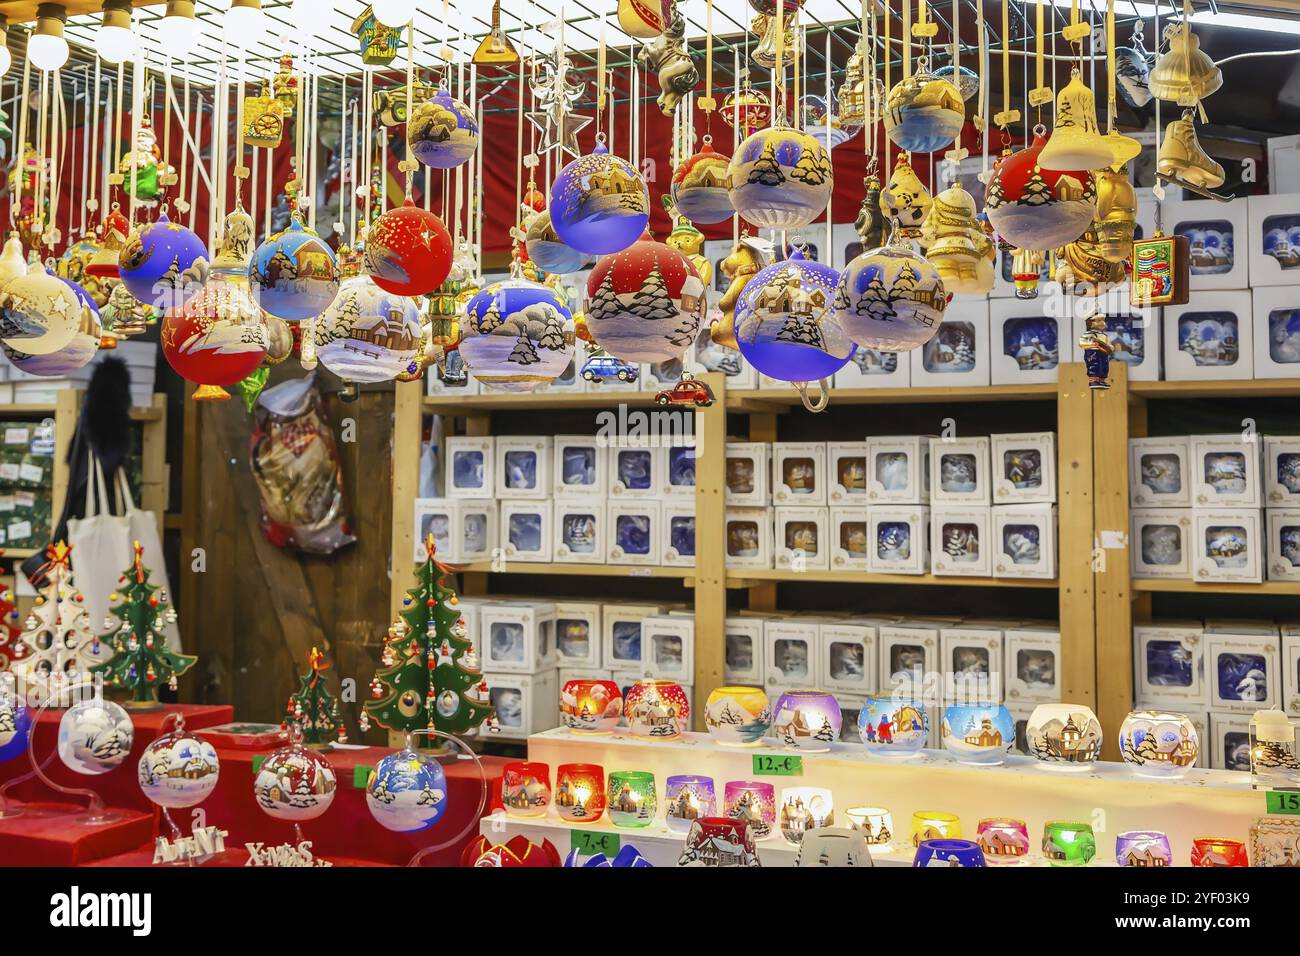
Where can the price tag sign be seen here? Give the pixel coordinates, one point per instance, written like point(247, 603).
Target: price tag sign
point(360, 777)
point(778, 765)
point(591, 842)
point(1283, 801)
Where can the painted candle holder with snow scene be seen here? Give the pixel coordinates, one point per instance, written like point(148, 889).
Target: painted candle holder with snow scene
point(807, 720)
point(591, 706)
point(892, 727)
point(737, 716)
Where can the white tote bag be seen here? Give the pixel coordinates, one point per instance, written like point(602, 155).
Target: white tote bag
point(101, 547)
point(144, 528)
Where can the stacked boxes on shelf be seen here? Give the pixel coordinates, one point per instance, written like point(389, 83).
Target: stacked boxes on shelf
point(26, 483)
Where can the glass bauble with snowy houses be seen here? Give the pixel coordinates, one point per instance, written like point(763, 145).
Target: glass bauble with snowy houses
point(700, 186)
point(293, 274)
point(408, 250)
point(966, 80)
point(163, 264)
point(76, 354)
point(294, 784)
point(923, 112)
point(956, 245)
point(95, 736)
point(217, 338)
point(781, 178)
point(545, 249)
point(824, 124)
point(644, 303)
point(442, 132)
point(39, 313)
point(406, 791)
point(368, 334)
point(519, 335)
point(15, 719)
point(599, 202)
point(905, 200)
point(178, 770)
point(1036, 208)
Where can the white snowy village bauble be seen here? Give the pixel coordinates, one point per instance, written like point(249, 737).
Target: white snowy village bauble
point(406, 791)
point(890, 299)
point(294, 784)
point(39, 313)
point(95, 736)
point(780, 178)
point(178, 770)
point(367, 334)
point(519, 335)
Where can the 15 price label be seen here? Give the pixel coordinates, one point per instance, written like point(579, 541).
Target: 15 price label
point(777, 765)
point(1283, 801)
point(591, 842)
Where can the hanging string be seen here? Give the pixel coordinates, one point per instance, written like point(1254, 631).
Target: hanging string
point(600, 73)
point(907, 39)
point(778, 70)
point(889, 80)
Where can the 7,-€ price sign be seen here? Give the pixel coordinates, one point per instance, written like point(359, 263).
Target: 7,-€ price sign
point(591, 842)
point(778, 765)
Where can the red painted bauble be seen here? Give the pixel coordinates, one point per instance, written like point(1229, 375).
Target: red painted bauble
point(219, 337)
point(1036, 208)
point(408, 251)
point(535, 200)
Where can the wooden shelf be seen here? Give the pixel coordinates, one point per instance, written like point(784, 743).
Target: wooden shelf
point(579, 570)
point(512, 401)
point(38, 408)
point(740, 578)
point(1252, 388)
point(17, 554)
point(897, 396)
point(1216, 587)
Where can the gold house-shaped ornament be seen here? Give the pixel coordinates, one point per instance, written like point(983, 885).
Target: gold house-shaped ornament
point(263, 119)
point(379, 43)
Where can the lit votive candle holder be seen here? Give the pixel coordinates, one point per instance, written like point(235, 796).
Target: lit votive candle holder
point(933, 825)
point(892, 726)
point(807, 720)
point(579, 792)
point(737, 716)
point(803, 809)
point(1219, 851)
point(657, 709)
point(1064, 736)
point(591, 706)
point(526, 789)
point(1068, 844)
point(978, 733)
point(944, 852)
point(752, 801)
point(687, 798)
point(1143, 848)
point(1159, 743)
point(632, 798)
point(1002, 840)
point(876, 824)
point(1274, 763)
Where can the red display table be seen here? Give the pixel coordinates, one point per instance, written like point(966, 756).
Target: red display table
point(46, 836)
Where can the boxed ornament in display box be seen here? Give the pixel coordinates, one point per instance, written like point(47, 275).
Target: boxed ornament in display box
point(526, 530)
point(1029, 343)
point(1225, 470)
point(678, 478)
point(526, 704)
point(898, 539)
point(1277, 331)
point(1031, 661)
point(849, 538)
point(748, 537)
point(847, 463)
point(679, 533)
point(848, 656)
point(1211, 338)
point(1217, 234)
point(1023, 468)
point(1160, 472)
point(471, 467)
point(747, 473)
point(850, 709)
point(622, 635)
point(1024, 539)
point(1160, 543)
point(523, 467)
point(744, 651)
point(1134, 337)
point(1281, 483)
point(517, 635)
point(634, 533)
point(959, 541)
point(958, 353)
point(799, 473)
point(634, 471)
point(800, 539)
point(959, 471)
point(1169, 665)
point(581, 530)
point(791, 648)
point(1243, 671)
point(898, 469)
point(1274, 240)
point(581, 466)
point(577, 634)
point(972, 663)
point(1230, 741)
point(1228, 545)
point(1291, 670)
point(908, 655)
point(1282, 558)
point(463, 529)
point(668, 646)
point(872, 368)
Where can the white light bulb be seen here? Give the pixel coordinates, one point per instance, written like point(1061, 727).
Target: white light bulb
point(243, 26)
point(114, 44)
point(177, 35)
point(6, 60)
point(393, 13)
point(47, 52)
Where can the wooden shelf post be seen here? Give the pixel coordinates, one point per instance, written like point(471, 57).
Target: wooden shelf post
point(408, 430)
point(710, 555)
point(1074, 435)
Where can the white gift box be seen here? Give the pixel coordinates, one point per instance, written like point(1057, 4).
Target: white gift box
point(525, 704)
point(898, 539)
point(744, 651)
point(849, 538)
point(622, 630)
point(1169, 665)
point(1227, 546)
point(909, 656)
point(850, 708)
point(634, 471)
point(1160, 543)
point(1031, 664)
point(469, 609)
point(1274, 223)
point(517, 636)
point(577, 634)
point(1291, 674)
point(668, 646)
point(1024, 541)
point(958, 353)
point(463, 529)
point(1028, 344)
point(747, 473)
point(678, 534)
point(799, 473)
point(1281, 481)
point(848, 656)
point(791, 652)
point(847, 463)
point(872, 368)
point(1283, 555)
point(1160, 472)
point(1243, 672)
point(960, 545)
point(1134, 337)
point(451, 379)
point(1218, 235)
point(972, 663)
point(749, 537)
point(634, 534)
point(959, 471)
point(1225, 471)
point(581, 531)
point(678, 476)
point(1023, 468)
point(1230, 741)
point(1276, 312)
point(898, 469)
point(523, 467)
point(581, 466)
point(1210, 338)
point(471, 467)
point(800, 539)
point(525, 529)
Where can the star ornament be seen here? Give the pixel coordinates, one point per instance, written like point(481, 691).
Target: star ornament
point(559, 129)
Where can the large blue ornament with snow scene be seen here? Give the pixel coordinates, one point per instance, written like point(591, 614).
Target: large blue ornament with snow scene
point(163, 264)
point(519, 335)
point(599, 203)
point(406, 791)
point(293, 274)
point(15, 722)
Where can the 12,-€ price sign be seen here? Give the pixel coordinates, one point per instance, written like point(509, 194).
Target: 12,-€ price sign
point(778, 765)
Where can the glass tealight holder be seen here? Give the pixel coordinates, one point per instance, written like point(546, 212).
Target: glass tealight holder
point(632, 799)
point(579, 792)
point(526, 789)
point(1068, 844)
point(1219, 851)
point(876, 824)
point(657, 709)
point(737, 715)
point(1273, 760)
point(591, 706)
point(933, 825)
point(803, 809)
point(807, 720)
point(754, 802)
point(1143, 848)
point(944, 852)
point(893, 726)
point(1159, 743)
point(1003, 840)
point(687, 798)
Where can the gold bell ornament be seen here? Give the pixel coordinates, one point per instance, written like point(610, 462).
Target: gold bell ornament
point(1184, 74)
point(764, 26)
point(1182, 160)
point(905, 200)
point(1094, 262)
point(955, 243)
point(1076, 142)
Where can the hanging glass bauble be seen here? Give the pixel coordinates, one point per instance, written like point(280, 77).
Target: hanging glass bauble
point(1185, 73)
point(15, 722)
point(644, 304)
point(76, 354)
point(368, 334)
point(72, 265)
point(1076, 142)
point(1035, 208)
point(235, 248)
point(824, 125)
point(113, 231)
point(599, 203)
point(39, 313)
point(956, 245)
point(218, 338)
point(747, 110)
point(547, 251)
point(163, 264)
point(699, 189)
point(406, 791)
point(781, 178)
point(785, 324)
point(294, 784)
point(924, 112)
point(293, 274)
point(964, 78)
point(408, 250)
point(12, 261)
point(178, 770)
point(442, 132)
point(519, 335)
point(905, 200)
point(643, 19)
point(95, 736)
point(1133, 72)
point(890, 299)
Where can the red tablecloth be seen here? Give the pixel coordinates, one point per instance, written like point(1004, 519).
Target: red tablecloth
point(42, 837)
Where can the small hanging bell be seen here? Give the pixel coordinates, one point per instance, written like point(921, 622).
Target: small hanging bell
point(1185, 74)
point(1075, 142)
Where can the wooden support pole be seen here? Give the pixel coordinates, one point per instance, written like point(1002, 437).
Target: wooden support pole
point(710, 555)
point(1076, 535)
point(762, 427)
point(407, 432)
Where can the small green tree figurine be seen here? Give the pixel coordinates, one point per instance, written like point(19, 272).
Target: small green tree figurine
point(141, 660)
point(314, 710)
point(430, 678)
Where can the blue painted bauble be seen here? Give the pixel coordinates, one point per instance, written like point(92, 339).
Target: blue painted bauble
point(442, 132)
point(15, 724)
point(780, 178)
point(178, 770)
point(294, 274)
point(923, 113)
point(76, 354)
point(406, 791)
point(599, 203)
point(785, 325)
point(163, 264)
point(519, 335)
point(39, 314)
point(95, 736)
point(367, 334)
point(546, 251)
point(890, 299)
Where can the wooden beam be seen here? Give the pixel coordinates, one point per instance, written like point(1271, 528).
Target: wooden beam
point(408, 431)
point(710, 555)
point(763, 427)
point(1075, 539)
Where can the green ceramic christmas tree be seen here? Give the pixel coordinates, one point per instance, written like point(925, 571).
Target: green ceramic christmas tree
point(430, 678)
point(141, 660)
point(314, 710)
